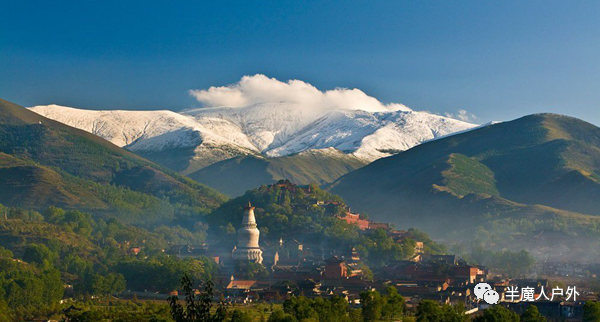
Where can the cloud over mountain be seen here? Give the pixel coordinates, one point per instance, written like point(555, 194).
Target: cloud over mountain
point(462, 115)
point(261, 89)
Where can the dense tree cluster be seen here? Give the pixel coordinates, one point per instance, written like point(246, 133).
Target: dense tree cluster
point(334, 309)
point(431, 311)
point(27, 288)
point(513, 264)
point(41, 253)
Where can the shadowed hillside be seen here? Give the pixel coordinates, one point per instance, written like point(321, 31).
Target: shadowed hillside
point(235, 176)
point(539, 167)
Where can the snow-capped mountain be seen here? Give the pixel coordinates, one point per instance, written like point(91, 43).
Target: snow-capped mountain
point(213, 134)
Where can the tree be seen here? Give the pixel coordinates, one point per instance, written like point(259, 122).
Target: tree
point(300, 307)
point(108, 284)
point(240, 316)
point(53, 286)
point(429, 311)
point(591, 311)
point(532, 314)
point(497, 313)
point(395, 304)
point(334, 309)
point(250, 270)
point(454, 313)
point(280, 316)
point(197, 307)
point(39, 254)
point(372, 304)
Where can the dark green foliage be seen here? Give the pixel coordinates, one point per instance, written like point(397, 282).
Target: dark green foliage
point(394, 305)
point(382, 249)
point(119, 311)
point(532, 314)
point(240, 316)
point(280, 316)
point(372, 305)
point(375, 306)
point(334, 309)
point(70, 247)
point(431, 311)
point(250, 270)
point(163, 274)
point(287, 214)
point(107, 284)
point(40, 255)
point(27, 290)
point(430, 245)
point(591, 311)
point(197, 307)
point(275, 208)
point(497, 313)
point(512, 263)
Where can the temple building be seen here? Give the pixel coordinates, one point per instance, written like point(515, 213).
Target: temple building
point(248, 236)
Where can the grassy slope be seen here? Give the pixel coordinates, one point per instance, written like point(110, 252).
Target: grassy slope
point(235, 176)
point(467, 175)
point(543, 159)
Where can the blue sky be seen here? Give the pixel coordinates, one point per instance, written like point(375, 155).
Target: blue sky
point(496, 59)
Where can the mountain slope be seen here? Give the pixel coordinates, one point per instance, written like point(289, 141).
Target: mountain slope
point(237, 175)
point(169, 138)
point(196, 138)
point(44, 162)
point(500, 170)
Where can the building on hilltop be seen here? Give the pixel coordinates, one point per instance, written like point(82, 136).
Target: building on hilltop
point(354, 219)
point(248, 237)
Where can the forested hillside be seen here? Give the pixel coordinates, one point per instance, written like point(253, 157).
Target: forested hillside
point(286, 211)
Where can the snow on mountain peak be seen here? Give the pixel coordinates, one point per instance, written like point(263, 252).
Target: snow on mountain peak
point(261, 115)
point(272, 129)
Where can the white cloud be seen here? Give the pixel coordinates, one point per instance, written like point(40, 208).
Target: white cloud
point(463, 115)
point(260, 89)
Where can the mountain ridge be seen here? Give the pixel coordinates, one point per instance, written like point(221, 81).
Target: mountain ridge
point(203, 136)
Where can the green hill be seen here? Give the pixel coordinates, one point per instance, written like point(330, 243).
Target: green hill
point(235, 176)
point(540, 167)
point(285, 211)
point(43, 162)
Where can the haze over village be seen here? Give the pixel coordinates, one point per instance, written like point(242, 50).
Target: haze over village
point(299, 161)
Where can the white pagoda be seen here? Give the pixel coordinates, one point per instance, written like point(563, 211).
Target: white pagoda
point(248, 236)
